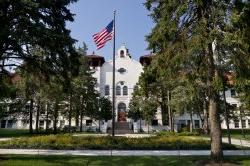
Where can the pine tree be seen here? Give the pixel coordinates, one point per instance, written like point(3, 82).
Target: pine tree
point(27, 24)
point(190, 36)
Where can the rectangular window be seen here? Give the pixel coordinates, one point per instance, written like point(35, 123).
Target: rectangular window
point(233, 93)
point(155, 122)
point(11, 124)
point(106, 90)
point(3, 123)
point(88, 122)
point(41, 124)
point(236, 123)
point(62, 123)
point(196, 124)
point(243, 123)
point(248, 123)
point(182, 123)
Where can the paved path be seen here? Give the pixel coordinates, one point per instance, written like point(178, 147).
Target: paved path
point(5, 139)
point(239, 142)
point(123, 152)
point(120, 135)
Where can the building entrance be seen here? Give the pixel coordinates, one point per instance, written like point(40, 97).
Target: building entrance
point(122, 112)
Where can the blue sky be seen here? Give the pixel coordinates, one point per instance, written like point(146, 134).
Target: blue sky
point(132, 24)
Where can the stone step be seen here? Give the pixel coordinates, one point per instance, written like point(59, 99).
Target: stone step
point(121, 131)
point(121, 125)
point(121, 128)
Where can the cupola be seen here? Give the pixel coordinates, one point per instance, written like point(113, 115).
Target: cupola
point(123, 52)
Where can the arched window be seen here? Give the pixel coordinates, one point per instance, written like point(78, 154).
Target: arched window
point(125, 90)
point(106, 89)
point(122, 54)
point(118, 90)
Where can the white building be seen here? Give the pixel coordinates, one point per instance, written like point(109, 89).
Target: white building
point(127, 73)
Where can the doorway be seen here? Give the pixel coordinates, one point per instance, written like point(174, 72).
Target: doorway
point(122, 112)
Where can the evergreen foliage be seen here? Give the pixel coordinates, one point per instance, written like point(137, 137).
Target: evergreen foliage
point(196, 43)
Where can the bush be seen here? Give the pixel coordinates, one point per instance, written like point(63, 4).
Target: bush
point(169, 133)
point(67, 141)
point(72, 128)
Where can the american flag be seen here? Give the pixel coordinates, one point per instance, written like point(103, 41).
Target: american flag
point(103, 36)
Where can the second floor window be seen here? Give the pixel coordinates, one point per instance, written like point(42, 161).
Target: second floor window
point(118, 90)
point(106, 89)
point(125, 90)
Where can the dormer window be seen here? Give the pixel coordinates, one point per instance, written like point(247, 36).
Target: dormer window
point(122, 54)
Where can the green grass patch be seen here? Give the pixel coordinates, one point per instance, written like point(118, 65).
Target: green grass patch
point(31, 160)
point(10, 133)
point(67, 141)
point(13, 133)
point(237, 133)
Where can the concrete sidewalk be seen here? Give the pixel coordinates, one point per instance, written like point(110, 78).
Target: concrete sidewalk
point(239, 142)
point(5, 139)
point(122, 152)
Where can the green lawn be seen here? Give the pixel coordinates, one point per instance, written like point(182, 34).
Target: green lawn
point(239, 136)
point(13, 133)
point(30, 160)
point(237, 133)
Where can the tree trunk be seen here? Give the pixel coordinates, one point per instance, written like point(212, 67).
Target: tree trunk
point(226, 115)
point(70, 111)
point(47, 117)
point(99, 125)
point(191, 122)
point(81, 119)
point(170, 114)
point(77, 117)
point(55, 117)
point(164, 110)
point(148, 127)
point(216, 142)
point(140, 126)
point(242, 130)
point(31, 116)
point(214, 116)
point(205, 124)
point(37, 116)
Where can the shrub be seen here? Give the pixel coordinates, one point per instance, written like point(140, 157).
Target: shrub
point(67, 141)
point(168, 133)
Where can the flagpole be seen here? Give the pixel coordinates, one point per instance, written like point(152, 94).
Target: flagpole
point(113, 94)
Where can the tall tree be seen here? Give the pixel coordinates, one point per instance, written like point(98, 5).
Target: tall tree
point(27, 24)
point(192, 35)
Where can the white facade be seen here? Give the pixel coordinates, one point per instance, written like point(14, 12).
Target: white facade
point(127, 72)
point(236, 122)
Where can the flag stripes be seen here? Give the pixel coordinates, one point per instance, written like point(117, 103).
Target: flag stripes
point(103, 36)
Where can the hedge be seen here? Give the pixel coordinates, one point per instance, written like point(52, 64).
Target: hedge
point(67, 141)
